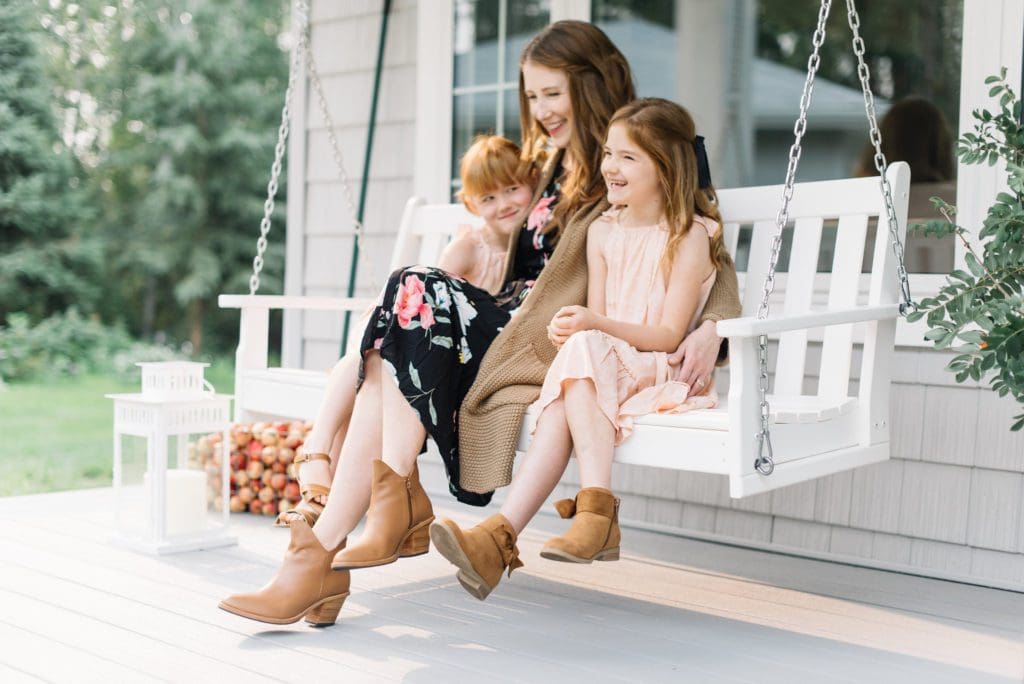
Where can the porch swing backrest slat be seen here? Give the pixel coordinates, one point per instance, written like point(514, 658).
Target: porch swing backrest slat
point(837, 347)
point(803, 265)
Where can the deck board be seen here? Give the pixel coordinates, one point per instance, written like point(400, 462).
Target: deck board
point(73, 607)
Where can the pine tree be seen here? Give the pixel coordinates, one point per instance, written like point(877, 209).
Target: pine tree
point(47, 262)
point(193, 96)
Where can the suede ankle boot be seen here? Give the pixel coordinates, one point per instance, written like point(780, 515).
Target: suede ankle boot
point(480, 553)
point(396, 522)
point(305, 585)
point(594, 533)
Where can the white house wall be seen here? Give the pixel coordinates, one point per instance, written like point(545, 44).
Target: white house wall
point(344, 39)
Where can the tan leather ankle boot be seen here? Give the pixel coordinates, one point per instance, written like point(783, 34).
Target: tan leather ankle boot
point(594, 533)
point(305, 585)
point(480, 553)
point(396, 522)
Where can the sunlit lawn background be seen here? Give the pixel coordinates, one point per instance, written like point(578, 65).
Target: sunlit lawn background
point(59, 432)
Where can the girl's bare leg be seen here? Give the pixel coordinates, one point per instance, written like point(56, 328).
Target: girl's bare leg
point(546, 461)
point(331, 421)
point(350, 491)
point(592, 434)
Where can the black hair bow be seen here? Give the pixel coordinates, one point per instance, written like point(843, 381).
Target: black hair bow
point(703, 168)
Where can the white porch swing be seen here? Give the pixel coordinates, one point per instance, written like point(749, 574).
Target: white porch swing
point(762, 438)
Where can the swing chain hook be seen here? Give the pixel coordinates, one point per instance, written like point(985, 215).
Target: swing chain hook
point(907, 305)
point(765, 461)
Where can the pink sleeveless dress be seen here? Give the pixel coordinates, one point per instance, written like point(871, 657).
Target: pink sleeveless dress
point(631, 383)
point(488, 270)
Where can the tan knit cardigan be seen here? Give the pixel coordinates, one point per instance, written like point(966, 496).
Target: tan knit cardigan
point(513, 369)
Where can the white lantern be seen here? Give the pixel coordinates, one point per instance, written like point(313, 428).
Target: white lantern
point(182, 508)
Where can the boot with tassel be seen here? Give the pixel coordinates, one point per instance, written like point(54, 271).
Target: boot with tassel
point(594, 533)
point(396, 523)
point(481, 553)
point(304, 586)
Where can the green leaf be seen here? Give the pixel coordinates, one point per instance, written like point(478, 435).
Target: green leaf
point(972, 263)
point(414, 375)
point(442, 341)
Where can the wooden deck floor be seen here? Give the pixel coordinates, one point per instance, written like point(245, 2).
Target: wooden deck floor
point(73, 608)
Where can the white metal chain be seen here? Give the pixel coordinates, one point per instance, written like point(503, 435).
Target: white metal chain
point(907, 306)
point(302, 17)
point(301, 52)
point(346, 186)
point(765, 463)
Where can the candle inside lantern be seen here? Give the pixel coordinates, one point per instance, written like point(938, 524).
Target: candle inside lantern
point(185, 502)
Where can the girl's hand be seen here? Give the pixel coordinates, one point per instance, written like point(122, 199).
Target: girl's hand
point(568, 320)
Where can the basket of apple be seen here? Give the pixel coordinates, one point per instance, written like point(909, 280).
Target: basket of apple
point(263, 480)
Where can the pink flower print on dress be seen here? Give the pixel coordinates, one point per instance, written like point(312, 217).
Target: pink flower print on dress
point(409, 301)
point(540, 214)
point(426, 316)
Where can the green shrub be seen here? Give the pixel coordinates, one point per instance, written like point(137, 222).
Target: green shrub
point(68, 344)
point(979, 313)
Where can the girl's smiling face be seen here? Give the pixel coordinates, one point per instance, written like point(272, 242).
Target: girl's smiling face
point(504, 209)
point(629, 172)
point(547, 91)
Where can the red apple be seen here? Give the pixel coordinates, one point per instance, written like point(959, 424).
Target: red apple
point(285, 455)
point(267, 495)
point(269, 437)
point(255, 507)
point(255, 469)
point(278, 481)
point(277, 468)
point(241, 478)
point(236, 504)
point(284, 505)
point(255, 449)
point(246, 495)
point(268, 455)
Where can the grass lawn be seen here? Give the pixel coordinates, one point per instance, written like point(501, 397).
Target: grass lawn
point(61, 431)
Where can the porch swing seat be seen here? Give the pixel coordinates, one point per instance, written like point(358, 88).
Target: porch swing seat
point(821, 422)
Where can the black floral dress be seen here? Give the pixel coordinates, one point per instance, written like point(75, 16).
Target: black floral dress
point(432, 330)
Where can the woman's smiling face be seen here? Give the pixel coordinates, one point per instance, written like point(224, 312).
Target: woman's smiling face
point(547, 91)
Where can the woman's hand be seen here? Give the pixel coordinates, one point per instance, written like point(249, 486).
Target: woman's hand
point(567, 320)
point(698, 353)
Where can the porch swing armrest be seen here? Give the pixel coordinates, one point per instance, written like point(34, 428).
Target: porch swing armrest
point(753, 327)
point(359, 304)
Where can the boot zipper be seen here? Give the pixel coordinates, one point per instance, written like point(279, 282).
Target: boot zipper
point(408, 490)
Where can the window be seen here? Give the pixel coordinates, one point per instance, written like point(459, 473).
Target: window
point(741, 71)
point(488, 37)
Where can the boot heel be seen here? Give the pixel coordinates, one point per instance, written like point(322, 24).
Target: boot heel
point(326, 613)
point(608, 555)
point(417, 543)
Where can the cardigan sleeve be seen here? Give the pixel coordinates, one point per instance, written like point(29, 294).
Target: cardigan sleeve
point(723, 302)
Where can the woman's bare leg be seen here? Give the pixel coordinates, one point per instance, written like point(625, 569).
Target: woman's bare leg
point(350, 491)
point(404, 437)
point(331, 421)
point(593, 435)
point(546, 461)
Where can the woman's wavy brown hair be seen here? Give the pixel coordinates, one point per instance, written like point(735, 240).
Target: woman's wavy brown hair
point(667, 133)
point(600, 82)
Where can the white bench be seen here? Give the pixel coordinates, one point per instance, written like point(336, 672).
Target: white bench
point(815, 432)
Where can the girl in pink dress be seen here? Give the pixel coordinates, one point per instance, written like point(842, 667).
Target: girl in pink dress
point(651, 260)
